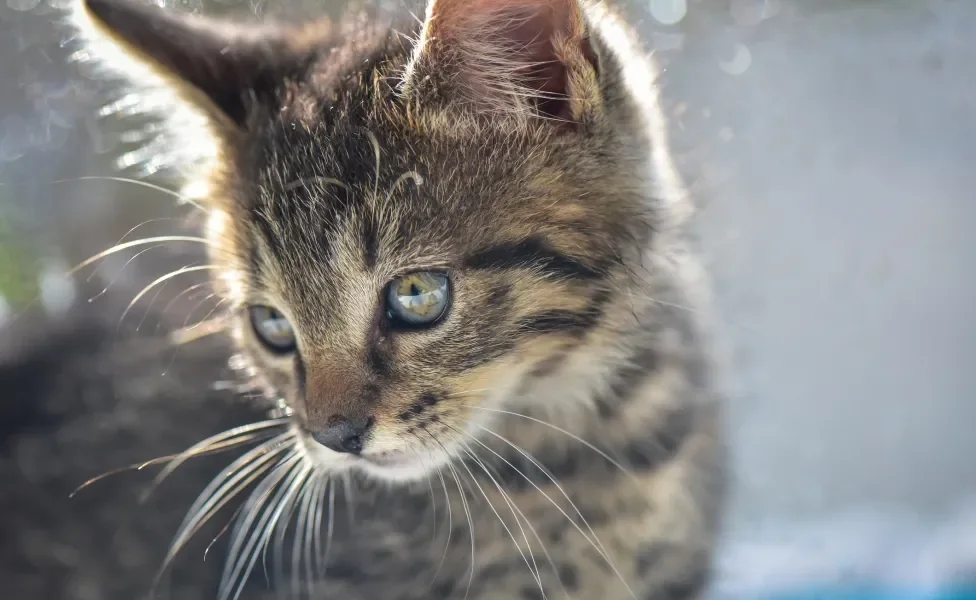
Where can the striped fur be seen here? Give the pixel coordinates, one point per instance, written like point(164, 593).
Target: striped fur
point(565, 405)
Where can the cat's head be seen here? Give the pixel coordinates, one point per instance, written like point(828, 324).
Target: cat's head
point(410, 226)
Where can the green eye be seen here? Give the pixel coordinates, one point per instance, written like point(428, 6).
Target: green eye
point(273, 329)
point(418, 299)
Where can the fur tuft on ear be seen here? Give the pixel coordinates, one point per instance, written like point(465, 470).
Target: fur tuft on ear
point(517, 56)
point(230, 67)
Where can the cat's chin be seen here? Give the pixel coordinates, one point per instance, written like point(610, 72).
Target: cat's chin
point(401, 468)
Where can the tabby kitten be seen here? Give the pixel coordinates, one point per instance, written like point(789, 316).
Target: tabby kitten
point(455, 252)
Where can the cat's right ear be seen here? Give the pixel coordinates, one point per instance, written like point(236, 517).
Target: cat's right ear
point(225, 68)
point(520, 57)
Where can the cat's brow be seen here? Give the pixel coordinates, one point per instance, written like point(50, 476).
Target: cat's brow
point(531, 253)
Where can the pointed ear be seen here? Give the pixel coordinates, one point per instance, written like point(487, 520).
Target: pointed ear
point(514, 55)
point(229, 66)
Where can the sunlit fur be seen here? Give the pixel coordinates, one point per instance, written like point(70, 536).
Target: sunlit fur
point(568, 384)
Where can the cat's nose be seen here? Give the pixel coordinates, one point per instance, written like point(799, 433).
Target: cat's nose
point(344, 434)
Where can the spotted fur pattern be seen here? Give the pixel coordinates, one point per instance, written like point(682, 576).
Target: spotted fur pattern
point(557, 433)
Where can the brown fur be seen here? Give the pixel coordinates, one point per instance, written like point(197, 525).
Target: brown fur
point(516, 147)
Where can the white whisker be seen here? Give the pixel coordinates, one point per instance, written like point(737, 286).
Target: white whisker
point(162, 279)
point(225, 486)
point(320, 488)
point(222, 437)
point(467, 513)
point(328, 537)
point(532, 566)
point(133, 244)
point(594, 540)
point(301, 529)
point(245, 545)
point(145, 184)
point(589, 445)
point(283, 514)
point(118, 274)
point(450, 526)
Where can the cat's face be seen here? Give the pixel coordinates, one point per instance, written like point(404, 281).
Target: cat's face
point(423, 275)
point(408, 238)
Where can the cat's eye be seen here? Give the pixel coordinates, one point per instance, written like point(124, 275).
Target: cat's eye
point(418, 299)
point(273, 329)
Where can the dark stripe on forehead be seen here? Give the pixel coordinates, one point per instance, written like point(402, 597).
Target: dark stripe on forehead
point(531, 253)
point(369, 237)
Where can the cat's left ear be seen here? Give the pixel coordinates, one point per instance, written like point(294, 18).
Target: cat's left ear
point(230, 67)
point(527, 57)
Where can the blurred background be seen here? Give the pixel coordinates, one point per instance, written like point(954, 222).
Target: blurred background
point(832, 144)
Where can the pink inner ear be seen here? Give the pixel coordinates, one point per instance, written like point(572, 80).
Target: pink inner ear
point(545, 72)
point(520, 31)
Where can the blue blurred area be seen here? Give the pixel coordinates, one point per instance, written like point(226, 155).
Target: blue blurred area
point(868, 593)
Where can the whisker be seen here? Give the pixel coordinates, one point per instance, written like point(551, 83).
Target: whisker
point(532, 566)
point(252, 472)
point(450, 526)
point(162, 279)
point(320, 489)
point(300, 531)
point(223, 530)
point(594, 541)
point(598, 545)
point(589, 445)
point(234, 473)
point(225, 486)
point(190, 312)
point(433, 501)
point(324, 558)
point(193, 450)
point(227, 445)
point(245, 548)
point(145, 314)
point(430, 487)
point(293, 487)
point(185, 291)
point(119, 273)
point(309, 523)
point(145, 184)
point(279, 544)
point(350, 505)
point(467, 512)
point(122, 239)
point(144, 223)
point(134, 243)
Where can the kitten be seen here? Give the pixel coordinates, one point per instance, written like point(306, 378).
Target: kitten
point(455, 251)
